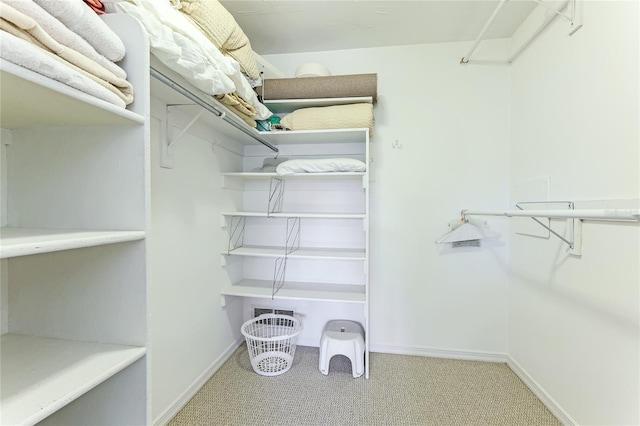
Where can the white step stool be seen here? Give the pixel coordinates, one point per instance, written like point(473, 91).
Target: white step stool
point(342, 337)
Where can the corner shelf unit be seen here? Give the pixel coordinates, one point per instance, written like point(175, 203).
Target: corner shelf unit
point(309, 242)
point(72, 276)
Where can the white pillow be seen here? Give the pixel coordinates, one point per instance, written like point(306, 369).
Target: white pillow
point(320, 165)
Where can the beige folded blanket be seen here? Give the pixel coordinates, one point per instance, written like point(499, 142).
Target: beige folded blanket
point(352, 116)
point(239, 106)
point(222, 29)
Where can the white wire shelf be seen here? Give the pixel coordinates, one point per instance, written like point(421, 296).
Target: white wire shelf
point(303, 137)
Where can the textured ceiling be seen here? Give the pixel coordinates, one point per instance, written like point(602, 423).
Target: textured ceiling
point(309, 26)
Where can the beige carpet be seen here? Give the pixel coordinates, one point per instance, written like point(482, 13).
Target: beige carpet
point(401, 390)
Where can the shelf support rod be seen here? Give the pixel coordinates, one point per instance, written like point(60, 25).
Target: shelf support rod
point(570, 222)
point(465, 58)
point(186, 128)
point(545, 23)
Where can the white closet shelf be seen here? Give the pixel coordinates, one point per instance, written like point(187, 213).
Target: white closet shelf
point(57, 104)
point(303, 137)
point(301, 253)
point(288, 105)
point(305, 215)
point(265, 176)
point(26, 241)
point(41, 375)
point(347, 293)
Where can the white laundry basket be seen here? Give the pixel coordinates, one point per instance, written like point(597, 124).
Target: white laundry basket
point(271, 342)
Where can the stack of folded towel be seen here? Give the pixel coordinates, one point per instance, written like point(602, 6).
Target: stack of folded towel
point(65, 40)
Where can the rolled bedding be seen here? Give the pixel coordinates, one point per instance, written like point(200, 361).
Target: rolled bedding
point(337, 86)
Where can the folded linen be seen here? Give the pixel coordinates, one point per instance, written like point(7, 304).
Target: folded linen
point(27, 55)
point(351, 116)
point(239, 107)
point(23, 23)
point(177, 43)
point(79, 18)
point(180, 53)
point(221, 28)
point(320, 165)
point(64, 35)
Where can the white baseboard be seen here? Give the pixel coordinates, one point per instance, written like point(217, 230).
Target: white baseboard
point(441, 353)
point(186, 396)
point(542, 395)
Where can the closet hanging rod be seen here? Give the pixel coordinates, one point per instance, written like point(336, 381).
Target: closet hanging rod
point(589, 214)
point(211, 108)
point(465, 58)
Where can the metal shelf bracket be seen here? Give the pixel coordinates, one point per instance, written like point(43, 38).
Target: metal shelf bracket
point(167, 140)
point(574, 227)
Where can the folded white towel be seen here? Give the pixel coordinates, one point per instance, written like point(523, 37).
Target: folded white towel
point(79, 18)
point(27, 55)
point(27, 28)
point(64, 35)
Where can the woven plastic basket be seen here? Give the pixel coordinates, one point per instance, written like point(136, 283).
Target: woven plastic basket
point(271, 342)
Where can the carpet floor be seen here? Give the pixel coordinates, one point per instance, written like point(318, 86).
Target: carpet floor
point(401, 390)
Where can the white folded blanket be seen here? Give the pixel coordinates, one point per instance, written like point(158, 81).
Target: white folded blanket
point(27, 55)
point(320, 165)
point(180, 53)
point(172, 34)
point(25, 27)
point(80, 19)
point(58, 31)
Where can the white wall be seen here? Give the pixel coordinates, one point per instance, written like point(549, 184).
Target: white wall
point(451, 125)
point(190, 332)
point(5, 138)
point(574, 321)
